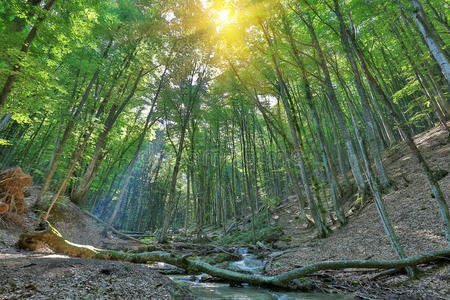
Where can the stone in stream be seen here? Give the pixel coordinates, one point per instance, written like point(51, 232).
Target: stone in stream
point(248, 264)
point(205, 287)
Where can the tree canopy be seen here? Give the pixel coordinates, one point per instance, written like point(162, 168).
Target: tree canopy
point(167, 115)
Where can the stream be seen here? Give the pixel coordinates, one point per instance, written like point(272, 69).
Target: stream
point(250, 264)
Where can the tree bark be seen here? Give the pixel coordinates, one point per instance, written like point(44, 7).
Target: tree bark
point(7, 87)
point(432, 39)
point(352, 156)
point(94, 163)
point(434, 185)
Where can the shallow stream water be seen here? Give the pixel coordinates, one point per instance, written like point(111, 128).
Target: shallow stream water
point(251, 264)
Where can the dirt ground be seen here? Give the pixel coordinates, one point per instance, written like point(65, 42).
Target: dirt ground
point(51, 276)
point(46, 275)
point(412, 210)
point(415, 217)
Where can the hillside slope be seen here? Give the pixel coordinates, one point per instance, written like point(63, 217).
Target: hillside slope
point(412, 210)
point(46, 275)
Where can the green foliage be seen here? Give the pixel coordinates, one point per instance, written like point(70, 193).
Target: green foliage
point(210, 90)
point(4, 142)
point(149, 240)
point(245, 237)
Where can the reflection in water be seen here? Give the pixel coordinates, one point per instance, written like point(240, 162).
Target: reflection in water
point(248, 264)
point(210, 290)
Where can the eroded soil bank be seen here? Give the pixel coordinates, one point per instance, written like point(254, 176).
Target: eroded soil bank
point(47, 275)
point(415, 217)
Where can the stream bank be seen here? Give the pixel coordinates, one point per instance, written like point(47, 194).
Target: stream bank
point(204, 287)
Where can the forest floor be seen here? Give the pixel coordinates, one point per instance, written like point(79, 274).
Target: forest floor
point(46, 275)
point(412, 210)
point(415, 217)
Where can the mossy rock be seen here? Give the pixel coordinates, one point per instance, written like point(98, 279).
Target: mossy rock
point(271, 235)
point(393, 150)
point(304, 284)
point(218, 258)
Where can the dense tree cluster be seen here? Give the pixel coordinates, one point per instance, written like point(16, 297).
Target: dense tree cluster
point(181, 114)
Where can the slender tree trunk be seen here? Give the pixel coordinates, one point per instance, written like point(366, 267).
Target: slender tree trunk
point(94, 163)
point(173, 182)
point(75, 160)
point(245, 162)
point(322, 229)
point(434, 185)
point(370, 123)
point(68, 130)
point(379, 203)
point(17, 68)
point(432, 38)
point(147, 125)
point(441, 114)
point(189, 106)
point(352, 156)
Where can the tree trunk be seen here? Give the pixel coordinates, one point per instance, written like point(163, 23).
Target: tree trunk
point(7, 87)
point(68, 130)
point(75, 159)
point(147, 125)
point(173, 182)
point(352, 156)
point(95, 161)
point(370, 123)
point(379, 203)
point(322, 229)
point(189, 106)
point(435, 188)
point(432, 38)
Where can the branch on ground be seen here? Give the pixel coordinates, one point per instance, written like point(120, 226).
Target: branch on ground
point(54, 240)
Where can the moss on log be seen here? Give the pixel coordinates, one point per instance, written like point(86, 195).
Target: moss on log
point(53, 239)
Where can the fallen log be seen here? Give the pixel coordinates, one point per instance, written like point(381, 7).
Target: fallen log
point(205, 249)
point(54, 240)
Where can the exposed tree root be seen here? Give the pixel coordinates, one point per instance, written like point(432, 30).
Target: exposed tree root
point(12, 181)
point(53, 239)
point(3, 208)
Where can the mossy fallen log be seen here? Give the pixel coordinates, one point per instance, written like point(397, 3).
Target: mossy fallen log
point(54, 240)
point(51, 238)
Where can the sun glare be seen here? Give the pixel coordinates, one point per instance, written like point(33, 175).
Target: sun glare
point(223, 17)
point(224, 14)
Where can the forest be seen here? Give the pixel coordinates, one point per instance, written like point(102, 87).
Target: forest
point(224, 149)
